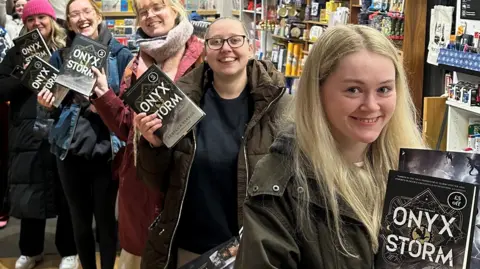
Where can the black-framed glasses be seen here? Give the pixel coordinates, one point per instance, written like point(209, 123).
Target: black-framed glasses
point(235, 41)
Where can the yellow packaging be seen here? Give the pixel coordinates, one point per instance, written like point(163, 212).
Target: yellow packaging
point(288, 66)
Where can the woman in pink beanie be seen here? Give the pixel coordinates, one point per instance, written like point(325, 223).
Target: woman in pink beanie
point(35, 190)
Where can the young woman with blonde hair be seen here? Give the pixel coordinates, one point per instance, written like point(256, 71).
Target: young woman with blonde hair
point(315, 201)
point(35, 189)
point(165, 38)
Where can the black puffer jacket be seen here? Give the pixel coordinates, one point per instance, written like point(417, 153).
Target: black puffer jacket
point(32, 170)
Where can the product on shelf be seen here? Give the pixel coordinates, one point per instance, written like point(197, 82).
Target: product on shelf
point(464, 92)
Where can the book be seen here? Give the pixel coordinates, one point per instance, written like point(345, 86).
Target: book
point(457, 166)
point(220, 257)
point(32, 44)
point(155, 93)
point(39, 75)
point(427, 222)
point(76, 72)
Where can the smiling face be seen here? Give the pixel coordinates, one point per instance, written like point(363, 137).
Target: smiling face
point(42, 22)
point(19, 7)
point(359, 104)
point(155, 17)
point(232, 57)
point(83, 18)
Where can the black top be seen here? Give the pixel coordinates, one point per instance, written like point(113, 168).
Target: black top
point(209, 215)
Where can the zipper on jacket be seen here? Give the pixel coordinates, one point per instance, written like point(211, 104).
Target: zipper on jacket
point(259, 116)
point(246, 163)
point(183, 199)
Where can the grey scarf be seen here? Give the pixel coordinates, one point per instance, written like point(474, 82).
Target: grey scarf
point(163, 47)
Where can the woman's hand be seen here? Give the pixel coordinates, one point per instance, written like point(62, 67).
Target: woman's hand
point(45, 98)
point(101, 85)
point(147, 126)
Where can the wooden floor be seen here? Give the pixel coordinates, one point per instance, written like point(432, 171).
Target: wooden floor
point(49, 262)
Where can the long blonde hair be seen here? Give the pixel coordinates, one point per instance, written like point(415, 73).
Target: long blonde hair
point(362, 190)
point(58, 36)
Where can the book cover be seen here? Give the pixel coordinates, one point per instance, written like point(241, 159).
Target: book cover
point(221, 257)
point(458, 166)
point(39, 74)
point(76, 72)
point(32, 44)
point(154, 92)
point(427, 222)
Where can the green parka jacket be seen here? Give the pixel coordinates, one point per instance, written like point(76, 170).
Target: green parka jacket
point(270, 238)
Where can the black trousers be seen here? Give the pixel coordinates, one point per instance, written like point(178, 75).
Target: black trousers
point(3, 159)
point(32, 231)
point(91, 191)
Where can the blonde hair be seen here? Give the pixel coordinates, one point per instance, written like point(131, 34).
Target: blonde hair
point(340, 181)
point(176, 5)
point(58, 36)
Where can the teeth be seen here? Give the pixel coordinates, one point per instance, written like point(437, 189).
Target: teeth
point(83, 26)
point(229, 59)
point(153, 24)
point(370, 120)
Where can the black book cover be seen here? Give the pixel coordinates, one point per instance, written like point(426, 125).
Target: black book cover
point(221, 257)
point(32, 44)
point(458, 166)
point(76, 72)
point(154, 92)
point(39, 75)
point(427, 222)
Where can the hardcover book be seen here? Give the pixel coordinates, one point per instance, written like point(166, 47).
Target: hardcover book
point(155, 93)
point(221, 257)
point(427, 222)
point(457, 166)
point(32, 44)
point(76, 72)
point(39, 75)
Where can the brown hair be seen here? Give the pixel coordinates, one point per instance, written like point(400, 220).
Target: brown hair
point(92, 3)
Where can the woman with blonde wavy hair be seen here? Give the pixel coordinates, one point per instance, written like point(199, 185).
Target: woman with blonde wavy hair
point(35, 189)
point(315, 201)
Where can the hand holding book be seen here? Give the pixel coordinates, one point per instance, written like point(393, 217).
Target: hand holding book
point(147, 126)
point(101, 84)
point(45, 98)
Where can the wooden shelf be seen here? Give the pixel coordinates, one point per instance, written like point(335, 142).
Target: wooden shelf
point(205, 12)
point(357, 6)
point(316, 23)
point(293, 40)
point(119, 14)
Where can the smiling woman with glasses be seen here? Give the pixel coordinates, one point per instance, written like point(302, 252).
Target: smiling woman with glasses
point(164, 38)
point(205, 175)
point(83, 144)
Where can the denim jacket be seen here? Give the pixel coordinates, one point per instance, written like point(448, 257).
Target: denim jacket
point(61, 129)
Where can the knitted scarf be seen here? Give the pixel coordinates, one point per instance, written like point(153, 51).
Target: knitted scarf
point(164, 47)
